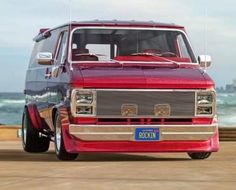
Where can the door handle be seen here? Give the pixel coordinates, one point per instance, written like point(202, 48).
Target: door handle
point(48, 75)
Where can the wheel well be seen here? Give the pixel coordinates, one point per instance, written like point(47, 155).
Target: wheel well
point(34, 116)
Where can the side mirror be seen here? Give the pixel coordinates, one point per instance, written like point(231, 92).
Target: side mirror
point(44, 58)
point(204, 60)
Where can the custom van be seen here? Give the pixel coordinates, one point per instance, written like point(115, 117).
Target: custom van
point(118, 86)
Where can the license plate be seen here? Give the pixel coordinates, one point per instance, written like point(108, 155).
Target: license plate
point(147, 134)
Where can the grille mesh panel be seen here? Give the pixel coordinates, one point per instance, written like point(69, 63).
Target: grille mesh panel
point(109, 103)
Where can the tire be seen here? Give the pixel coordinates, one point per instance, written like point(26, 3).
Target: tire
point(31, 139)
point(199, 155)
point(60, 150)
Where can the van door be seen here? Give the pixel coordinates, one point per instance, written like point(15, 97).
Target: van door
point(58, 82)
point(43, 75)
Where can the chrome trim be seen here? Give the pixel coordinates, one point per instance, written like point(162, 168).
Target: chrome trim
point(130, 28)
point(102, 133)
point(125, 126)
point(127, 132)
point(187, 133)
point(145, 116)
point(145, 90)
point(162, 114)
point(74, 104)
point(213, 103)
point(126, 112)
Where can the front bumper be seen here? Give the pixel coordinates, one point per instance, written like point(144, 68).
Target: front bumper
point(173, 138)
point(127, 132)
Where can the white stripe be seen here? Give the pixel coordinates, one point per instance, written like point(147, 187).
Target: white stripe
point(102, 133)
point(187, 133)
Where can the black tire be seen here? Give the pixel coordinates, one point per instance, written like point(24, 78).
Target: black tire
point(32, 141)
point(199, 155)
point(60, 150)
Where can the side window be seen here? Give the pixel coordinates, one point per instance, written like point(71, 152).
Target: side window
point(61, 51)
point(37, 48)
point(45, 45)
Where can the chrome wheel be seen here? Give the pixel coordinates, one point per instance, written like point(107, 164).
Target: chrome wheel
point(24, 130)
point(58, 137)
point(60, 149)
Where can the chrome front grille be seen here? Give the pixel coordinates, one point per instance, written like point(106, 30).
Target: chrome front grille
point(110, 102)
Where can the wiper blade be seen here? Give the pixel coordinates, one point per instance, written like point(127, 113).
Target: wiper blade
point(156, 55)
point(89, 54)
point(147, 54)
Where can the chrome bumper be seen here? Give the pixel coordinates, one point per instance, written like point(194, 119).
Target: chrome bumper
point(127, 132)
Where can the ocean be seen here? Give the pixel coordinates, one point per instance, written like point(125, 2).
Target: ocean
point(11, 108)
point(12, 104)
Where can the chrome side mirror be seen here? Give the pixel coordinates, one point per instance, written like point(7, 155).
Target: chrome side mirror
point(204, 60)
point(44, 58)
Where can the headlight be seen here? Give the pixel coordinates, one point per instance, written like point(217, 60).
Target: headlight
point(205, 103)
point(84, 97)
point(203, 99)
point(204, 110)
point(83, 102)
point(84, 110)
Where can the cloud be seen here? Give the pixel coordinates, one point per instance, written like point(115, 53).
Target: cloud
point(21, 21)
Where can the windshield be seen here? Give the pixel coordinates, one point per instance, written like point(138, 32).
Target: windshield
point(101, 44)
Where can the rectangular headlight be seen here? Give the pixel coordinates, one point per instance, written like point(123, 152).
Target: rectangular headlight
point(204, 98)
point(84, 110)
point(205, 103)
point(83, 102)
point(84, 97)
point(204, 110)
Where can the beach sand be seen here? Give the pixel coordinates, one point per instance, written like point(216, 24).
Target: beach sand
point(23, 171)
point(9, 133)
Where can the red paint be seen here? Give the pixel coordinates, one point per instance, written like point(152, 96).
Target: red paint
point(124, 72)
point(128, 76)
point(75, 145)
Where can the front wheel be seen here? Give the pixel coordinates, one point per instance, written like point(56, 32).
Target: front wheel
point(199, 155)
point(60, 150)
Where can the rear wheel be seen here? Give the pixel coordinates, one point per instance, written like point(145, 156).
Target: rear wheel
point(32, 141)
point(199, 155)
point(60, 150)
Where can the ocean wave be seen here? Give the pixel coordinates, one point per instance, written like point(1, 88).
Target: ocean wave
point(229, 119)
point(9, 101)
point(222, 95)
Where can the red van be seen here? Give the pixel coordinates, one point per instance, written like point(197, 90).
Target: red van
point(118, 86)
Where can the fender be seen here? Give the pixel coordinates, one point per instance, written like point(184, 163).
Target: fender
point(36, 120)
point(69, 141)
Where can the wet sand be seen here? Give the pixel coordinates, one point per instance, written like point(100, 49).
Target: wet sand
point(20, 170)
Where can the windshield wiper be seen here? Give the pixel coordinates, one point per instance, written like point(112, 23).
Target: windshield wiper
point(157, 55)
point(89, 54)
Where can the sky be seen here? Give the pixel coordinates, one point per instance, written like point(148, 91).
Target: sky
point(211, 26)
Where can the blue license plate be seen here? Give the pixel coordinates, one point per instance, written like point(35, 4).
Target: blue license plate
point(147, 134)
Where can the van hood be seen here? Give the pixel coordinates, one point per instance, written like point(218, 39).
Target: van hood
point(139, 77)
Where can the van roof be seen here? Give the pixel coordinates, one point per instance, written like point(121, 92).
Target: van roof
point(124, 23)
point(112, 23)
